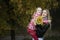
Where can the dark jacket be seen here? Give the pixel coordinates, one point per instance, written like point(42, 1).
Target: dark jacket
point(40, 30)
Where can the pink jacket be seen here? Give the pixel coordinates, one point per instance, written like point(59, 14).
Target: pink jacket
point(31, 25)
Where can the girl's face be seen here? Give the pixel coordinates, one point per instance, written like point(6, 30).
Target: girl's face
point(39, 10)
point(44, 14)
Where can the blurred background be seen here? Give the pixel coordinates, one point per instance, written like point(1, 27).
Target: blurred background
point(16, 14)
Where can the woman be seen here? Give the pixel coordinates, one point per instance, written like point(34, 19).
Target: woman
point(46, 16)
point(31, 26)
point(42, 28)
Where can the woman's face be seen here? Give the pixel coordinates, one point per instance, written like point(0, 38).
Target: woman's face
point(44, 14)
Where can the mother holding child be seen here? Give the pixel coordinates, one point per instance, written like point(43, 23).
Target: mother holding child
point(39, 24)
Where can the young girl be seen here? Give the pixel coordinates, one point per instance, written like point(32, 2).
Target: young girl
point(31, 26)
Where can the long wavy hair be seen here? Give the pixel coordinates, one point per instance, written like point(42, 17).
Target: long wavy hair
point(48, 14)
point(49, 17)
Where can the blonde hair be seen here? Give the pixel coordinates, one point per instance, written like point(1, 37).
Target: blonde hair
point(49, 17)
point(38, 8)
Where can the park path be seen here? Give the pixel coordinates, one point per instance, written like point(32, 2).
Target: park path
point(27, 37)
